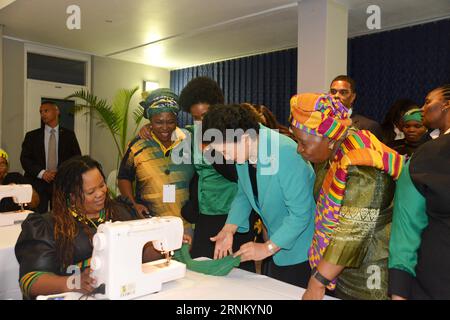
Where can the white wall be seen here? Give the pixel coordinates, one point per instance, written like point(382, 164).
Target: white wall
point(1, 80)
point(108, 76)
point(13, 101)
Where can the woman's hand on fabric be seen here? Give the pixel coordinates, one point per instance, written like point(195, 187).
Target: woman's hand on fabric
point(253, 251)
point(146, 132)
point(224, 242)
point(395, 297)
point(187, 239)
point(315, 290)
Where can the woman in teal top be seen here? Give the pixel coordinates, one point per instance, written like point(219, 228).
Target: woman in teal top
point(213, 195)
point(273, 181)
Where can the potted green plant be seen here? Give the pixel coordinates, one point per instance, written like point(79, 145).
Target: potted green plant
point(114, 117)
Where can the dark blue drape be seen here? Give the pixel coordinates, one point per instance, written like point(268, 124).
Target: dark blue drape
point(269, 79)
point(403, 63)
point(400, 63)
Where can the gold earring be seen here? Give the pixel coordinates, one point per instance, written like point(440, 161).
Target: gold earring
point(331, 145)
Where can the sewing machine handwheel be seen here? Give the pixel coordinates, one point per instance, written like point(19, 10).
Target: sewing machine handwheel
point(99, 241)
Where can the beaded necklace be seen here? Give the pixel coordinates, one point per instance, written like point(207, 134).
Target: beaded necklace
point(87, 220)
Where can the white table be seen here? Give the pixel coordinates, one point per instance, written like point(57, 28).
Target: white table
point(238, 285)
point(9, 267)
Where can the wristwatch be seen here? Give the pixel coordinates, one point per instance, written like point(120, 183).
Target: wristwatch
point(316, 274)
point(271, 248)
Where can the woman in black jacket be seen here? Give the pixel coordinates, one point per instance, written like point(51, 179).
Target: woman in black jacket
point(52, 246)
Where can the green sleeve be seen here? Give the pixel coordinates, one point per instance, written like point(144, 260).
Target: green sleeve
point(409, 221)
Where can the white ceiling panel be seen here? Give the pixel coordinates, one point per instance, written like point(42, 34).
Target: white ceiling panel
point(179, 33)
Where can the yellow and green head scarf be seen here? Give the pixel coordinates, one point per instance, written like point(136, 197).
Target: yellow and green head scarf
point(160, 100)
point(3, 155)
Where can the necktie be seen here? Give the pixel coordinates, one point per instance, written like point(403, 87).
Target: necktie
point(51, 160)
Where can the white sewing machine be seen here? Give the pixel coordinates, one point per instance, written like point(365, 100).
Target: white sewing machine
point(117, 257)
point(21, 194)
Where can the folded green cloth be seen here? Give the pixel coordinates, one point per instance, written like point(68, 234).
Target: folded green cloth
point(219, 267)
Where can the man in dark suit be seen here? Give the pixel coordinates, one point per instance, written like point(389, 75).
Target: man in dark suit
point(343, 88)
point(44, 149)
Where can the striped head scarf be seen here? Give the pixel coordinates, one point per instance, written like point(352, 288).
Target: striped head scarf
point(3, 155)
point(158, 101)
point(320, 115)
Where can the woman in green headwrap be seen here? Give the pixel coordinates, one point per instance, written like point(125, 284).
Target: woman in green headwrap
point(162, 186)
point(414, 130)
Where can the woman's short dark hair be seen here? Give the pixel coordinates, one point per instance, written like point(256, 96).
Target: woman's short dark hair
point(200, 90)
point(226, 117)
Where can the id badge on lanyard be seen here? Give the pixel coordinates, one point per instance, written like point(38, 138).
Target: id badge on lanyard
point(169, 192)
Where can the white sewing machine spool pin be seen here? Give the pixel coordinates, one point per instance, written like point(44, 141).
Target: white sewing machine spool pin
point(117, 257)
point(21, 194)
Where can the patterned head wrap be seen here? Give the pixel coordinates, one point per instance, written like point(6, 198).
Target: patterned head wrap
point(320, 115)
point(158, 101)
point(3, 155)
point(413, 115)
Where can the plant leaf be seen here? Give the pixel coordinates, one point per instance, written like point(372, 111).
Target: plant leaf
point(121, 106)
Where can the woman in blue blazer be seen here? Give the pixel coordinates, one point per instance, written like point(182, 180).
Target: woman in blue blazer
point(275, 182)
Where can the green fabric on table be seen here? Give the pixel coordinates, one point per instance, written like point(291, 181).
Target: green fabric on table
point(219, 267)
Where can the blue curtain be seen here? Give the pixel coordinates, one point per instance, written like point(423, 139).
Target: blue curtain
point(269, 79)
point(403, 63)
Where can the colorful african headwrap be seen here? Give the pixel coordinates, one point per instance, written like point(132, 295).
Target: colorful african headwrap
point(3, 154)
point(413, 115)
point(160, 100)
point(320, 115)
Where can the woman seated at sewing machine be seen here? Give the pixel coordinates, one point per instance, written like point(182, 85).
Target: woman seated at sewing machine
point(7, 204)
point(51, 246)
